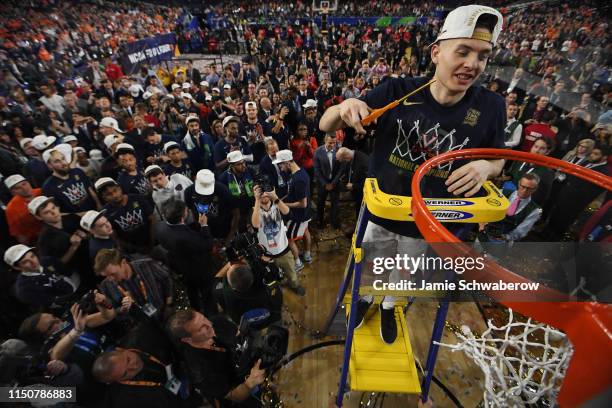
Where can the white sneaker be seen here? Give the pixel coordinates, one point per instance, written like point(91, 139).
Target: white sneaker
point(299, 266)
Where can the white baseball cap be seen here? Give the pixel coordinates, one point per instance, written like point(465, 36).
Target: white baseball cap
point(191, 118)
point(204, 83)
point(216, 90)
point(205, 182)
point(89, 219)
point(147, 95)
point(186, 85)
point(235, 157)
point(170, 145)
point(310, 103)
point(229, 119)
point(103, 182)
point(151, 169)
point(95, 154)
point(186, 95)
point(14, 254)
point(135, 90)
point(37, 203)
point(461, 22)
point(111, 123)
point(110, 140)
point(124, 146)
point(79, 149)
point(41, 142)
point(25, 141)
point(283, 156)
point(64, 148)
point(227, 86)
point(69, 138)
point(175, 86)
point(154, 90)
point(12, 181)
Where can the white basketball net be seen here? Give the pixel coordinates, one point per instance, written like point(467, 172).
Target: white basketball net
point(518, 369)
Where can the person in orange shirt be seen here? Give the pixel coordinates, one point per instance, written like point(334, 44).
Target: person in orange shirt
point(23, 226)
point(302, 146)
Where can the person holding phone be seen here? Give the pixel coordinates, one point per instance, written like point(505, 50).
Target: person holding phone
point(189, 249)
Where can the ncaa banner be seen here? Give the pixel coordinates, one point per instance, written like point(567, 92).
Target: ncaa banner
point(152, 51)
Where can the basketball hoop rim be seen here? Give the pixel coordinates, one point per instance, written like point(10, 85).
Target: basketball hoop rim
point(434, 231)
point(587, 325)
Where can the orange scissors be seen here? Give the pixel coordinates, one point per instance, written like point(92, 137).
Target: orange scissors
point(376, 113)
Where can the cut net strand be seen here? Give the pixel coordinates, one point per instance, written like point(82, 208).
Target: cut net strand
point(522, 362)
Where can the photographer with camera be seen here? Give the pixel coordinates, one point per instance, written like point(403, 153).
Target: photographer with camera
point(141, 372)
point(247, 287)
point(208, 348)
point(134, 285)
point(267, 217)
point(72, 343)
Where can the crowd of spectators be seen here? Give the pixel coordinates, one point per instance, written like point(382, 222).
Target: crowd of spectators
point(123, 183)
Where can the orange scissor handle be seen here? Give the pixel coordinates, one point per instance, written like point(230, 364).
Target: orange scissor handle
point(376, 113)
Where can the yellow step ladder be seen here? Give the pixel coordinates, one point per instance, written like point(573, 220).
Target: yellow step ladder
point(380, 367)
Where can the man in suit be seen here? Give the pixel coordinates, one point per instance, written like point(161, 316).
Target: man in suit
point(187, 247)
point(327, 173)
point(517, 84)
point(521, 216)
point(355, 173)
point(192, 73)
point(304, 93)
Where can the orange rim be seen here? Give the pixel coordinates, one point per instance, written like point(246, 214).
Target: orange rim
point(588, 325)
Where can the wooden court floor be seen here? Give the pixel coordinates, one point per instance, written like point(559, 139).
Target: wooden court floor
point(311, 380)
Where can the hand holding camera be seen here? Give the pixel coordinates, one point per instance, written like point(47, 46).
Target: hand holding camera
point(126, 304)
point(79, 317)
point(271, 195)
point(256, 376)
point(258, 193)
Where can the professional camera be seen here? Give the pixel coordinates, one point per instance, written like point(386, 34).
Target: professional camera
point(20, 365)
point(245, 246)
point(88, 302)
point(263, 181)
point(268, 344)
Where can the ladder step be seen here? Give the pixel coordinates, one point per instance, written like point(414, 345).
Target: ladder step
point(379, 367)
point(374, 344)
point(383, 381)
point(382, 361)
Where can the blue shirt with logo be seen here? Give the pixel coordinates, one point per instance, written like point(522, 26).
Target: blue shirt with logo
point(131, 221)
point(421, 128)
point(71, 195)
